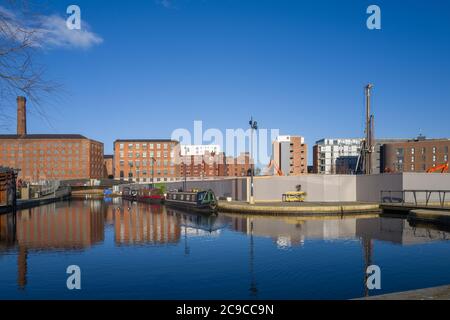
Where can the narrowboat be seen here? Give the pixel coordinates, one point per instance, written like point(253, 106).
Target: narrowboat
point(129, 194)
point(198, 201)
point(151, 195)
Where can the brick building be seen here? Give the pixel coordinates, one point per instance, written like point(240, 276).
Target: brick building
point(289, 154)
point(416, 155)
point(50, 156)
point(141, 160)
point(211, 165)
point(108, 163)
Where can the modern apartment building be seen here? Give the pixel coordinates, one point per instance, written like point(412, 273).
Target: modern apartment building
point(415, 155)
point(50, 156)
point(289, 155)
point(336, 156)
point(146, 160)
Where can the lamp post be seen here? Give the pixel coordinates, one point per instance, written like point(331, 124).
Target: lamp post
point(253, 126)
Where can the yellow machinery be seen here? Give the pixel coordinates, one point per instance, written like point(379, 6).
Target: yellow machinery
point(294, 196)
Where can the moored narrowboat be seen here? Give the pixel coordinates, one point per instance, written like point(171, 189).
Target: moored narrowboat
point(150, 195)
point(198, 201)
point(129, 194)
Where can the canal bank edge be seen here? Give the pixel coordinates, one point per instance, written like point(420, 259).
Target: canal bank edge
point(434, 293)
point(299, 209)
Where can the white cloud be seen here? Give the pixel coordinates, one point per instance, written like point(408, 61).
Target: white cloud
point(54, 33)
point(165, 3)
point(46, 31)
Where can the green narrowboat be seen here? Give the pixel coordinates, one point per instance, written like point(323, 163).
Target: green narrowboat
point(198, 201)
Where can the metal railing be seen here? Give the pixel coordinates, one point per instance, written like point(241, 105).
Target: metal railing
point(386, 196)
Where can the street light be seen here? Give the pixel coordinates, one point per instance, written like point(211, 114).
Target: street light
point(253, 126)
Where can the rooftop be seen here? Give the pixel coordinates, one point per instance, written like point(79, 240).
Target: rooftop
point(145, 140)
point(42, 136)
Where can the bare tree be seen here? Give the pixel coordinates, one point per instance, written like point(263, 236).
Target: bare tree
point(19, 73)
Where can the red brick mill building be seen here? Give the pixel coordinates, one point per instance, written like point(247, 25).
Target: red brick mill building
point(50, 156)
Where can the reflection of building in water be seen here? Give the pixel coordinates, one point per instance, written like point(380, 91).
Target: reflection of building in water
point(293, 231)
point(73, 226)
point(137, 224)
point(398, 231)
point(195, 232)
point(48, 227)
point(7, 231)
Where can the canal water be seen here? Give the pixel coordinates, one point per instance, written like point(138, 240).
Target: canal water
point(139, 251)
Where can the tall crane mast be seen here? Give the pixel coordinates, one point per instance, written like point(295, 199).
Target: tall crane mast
point(364, 164)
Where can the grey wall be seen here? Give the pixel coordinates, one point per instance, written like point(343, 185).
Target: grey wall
point(318, 187)
point(324, 188)
point(426, 181)
point(235, 188)
point(368, 188)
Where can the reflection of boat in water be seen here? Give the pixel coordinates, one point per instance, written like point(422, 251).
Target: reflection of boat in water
point(187, 220)
point(198, 201)
point(149, 195)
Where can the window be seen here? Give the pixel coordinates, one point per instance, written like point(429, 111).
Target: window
point(434, 150)
point(144, 154)
point(424, 150)
point(412, 167)
point(121, 154)
point(130, 146)
point(165, 146)
point(413, 150)
point(138, 146)
point(158, 146)
point(151, 146)
point(412, 159)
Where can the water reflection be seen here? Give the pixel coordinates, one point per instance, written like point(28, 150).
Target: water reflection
point(79, 225)
point(294, 231)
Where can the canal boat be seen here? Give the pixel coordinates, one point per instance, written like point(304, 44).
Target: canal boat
point(150, 195)
point(197, 201)
point(129, 194)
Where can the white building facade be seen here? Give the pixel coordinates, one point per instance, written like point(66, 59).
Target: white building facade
point(336, 156)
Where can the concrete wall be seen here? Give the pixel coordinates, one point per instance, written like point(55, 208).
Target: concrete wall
point(235, 188)
point(426, 181)
point(368, 188)
point(324, 188)
point(318, 187)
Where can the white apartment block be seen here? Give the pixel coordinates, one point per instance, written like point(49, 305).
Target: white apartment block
point(336, 156)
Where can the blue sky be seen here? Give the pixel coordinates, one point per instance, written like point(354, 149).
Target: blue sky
point(299, 66)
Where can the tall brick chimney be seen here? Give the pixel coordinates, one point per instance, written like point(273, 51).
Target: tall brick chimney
point(21, 116)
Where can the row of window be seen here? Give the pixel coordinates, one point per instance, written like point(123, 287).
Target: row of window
point(423, 150)
point(400, 158)
point(145, 163)
point(149, 172)
point(144, 146)
point(150, 154)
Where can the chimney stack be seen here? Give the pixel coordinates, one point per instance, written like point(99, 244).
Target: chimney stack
point(21, 116)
